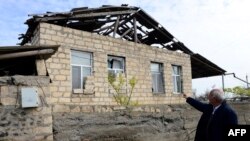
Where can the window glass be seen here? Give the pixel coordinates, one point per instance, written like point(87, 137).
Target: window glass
point(115, 64)
point(177, 79)
point(81, 58)
point(157, 77)
point(76, 80)
point(81, 65)
point(155, 67)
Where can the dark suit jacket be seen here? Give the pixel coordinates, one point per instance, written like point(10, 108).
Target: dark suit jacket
point(211, 126)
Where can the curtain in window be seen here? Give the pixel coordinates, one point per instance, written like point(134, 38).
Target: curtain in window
point(76, 79)
point(81, 64)
point(115, 64)
point(157, 78)
point(157, 82)
point(177, 80)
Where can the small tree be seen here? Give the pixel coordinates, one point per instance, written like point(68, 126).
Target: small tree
point(238, 90)
point(117, 83)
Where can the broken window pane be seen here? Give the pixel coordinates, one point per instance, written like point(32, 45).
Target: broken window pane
point(115, 64)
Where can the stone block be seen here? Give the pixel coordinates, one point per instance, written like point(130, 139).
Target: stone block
point(88, 92)
point(75, 110)
point(47, 120)
point(53, 100)
point(69, 41)
point(43, 130)
point(57, 28)
point(64, 100)
point(55, 66)
point(46, 36)
point(75, 100)
point(117, 108)
point(137, 109)
point(60, 77)
point(57, 94)
point(4, 91)
point(41, 111)
point(49, 31)
point(49, 137)
point(53, 88)
point(61, 108)
point(87, 109)
point(9, 101)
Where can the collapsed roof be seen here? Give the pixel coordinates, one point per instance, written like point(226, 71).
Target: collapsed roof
point(124, 22)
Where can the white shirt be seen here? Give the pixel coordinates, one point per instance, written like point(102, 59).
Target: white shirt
point(215, 108)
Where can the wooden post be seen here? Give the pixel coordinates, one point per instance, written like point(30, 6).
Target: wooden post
point(135, 30)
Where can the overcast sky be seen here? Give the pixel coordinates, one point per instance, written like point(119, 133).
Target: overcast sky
point(217, 29)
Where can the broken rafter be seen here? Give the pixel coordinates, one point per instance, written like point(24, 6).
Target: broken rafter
point(109, 27)
point(104, 28)
point(126, 32)
point(116, 26)
point(139, 28)
point(134, 25)
point(120, 24)
point(156, 27)
point(135, 30)
point(85, 15)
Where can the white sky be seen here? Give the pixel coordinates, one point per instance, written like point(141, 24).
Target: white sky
point(217, 29)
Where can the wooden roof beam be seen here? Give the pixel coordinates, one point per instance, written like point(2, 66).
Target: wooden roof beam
point(116, 26)
point(86, 15)
point(135, 30)
point(120, 24)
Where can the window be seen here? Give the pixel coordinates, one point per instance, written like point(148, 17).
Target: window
point(115, 64)
point(81, 66)
point(157, 77)
point(177, 78)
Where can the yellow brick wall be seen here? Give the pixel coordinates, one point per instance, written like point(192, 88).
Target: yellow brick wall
point(138, 58)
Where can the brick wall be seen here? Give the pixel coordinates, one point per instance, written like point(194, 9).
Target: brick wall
point(138, 58)
point(17, 123)
point(92, 122)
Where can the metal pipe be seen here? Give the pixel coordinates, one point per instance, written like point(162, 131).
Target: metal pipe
point(247, 81)
point(237, 78)
point(26, 53)
point(223, 86)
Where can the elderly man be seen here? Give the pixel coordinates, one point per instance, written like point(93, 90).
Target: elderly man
point(216, 116)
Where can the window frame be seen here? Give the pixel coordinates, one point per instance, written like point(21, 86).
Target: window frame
point(81, 67)
point(175, 78)
point(116, 70)
point(161, 74)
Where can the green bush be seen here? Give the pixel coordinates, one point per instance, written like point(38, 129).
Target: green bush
point(238, 90)
point(117, 83)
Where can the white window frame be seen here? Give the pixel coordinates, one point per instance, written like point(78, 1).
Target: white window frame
point(175, 78)
point(160, 73)
point(116, 70)
point(81, 68)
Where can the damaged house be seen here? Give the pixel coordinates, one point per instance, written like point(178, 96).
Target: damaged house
point(63, 63)
point(77, 49)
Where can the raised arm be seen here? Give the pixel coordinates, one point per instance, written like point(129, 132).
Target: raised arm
point(196, 104)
